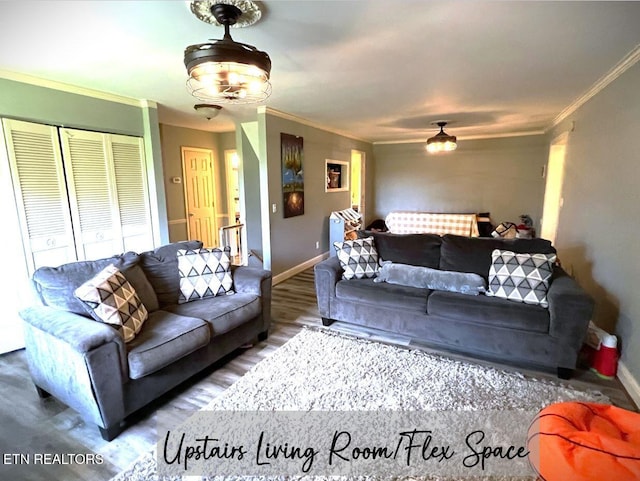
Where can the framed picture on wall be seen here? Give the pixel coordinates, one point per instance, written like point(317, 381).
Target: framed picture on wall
point(337, 178)
point(292, 155)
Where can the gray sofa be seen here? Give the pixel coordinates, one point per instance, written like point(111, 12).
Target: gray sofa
point(86, 364)
point(482, 326)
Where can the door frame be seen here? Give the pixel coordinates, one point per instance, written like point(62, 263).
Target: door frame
point(213, 208)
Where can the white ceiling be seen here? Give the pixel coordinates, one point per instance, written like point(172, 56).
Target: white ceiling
point(379, 70)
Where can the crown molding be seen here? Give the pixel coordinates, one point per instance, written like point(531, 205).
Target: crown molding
point(525, 133)
point(262, 109)
point(466, 137)
point(622, 66)
point(74, 89)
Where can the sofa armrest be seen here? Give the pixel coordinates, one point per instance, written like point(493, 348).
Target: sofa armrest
point(251, 280)
point(80, 361)
point(570, 310)
point(78, 332)
point(256, 281)
point(327, 274)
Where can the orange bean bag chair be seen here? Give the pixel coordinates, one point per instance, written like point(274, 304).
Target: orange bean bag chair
point(575, 441)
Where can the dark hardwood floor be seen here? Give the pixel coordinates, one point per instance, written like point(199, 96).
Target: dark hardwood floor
point(31, 426)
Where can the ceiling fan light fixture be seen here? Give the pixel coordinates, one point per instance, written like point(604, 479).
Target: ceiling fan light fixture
point(226, 71)
point(441, 142)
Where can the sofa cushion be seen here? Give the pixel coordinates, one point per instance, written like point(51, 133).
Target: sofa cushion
point(161, 268)
point(521, 277)
point(165, 338)
point(110, 298)
point(490, 311)
point(204, 273)
point(473, 254)
point(412, 249)
point(427, 278)
point(391, 296)
point(56, 285)
point(358, 258)
point(224, 313)
point(136, 276)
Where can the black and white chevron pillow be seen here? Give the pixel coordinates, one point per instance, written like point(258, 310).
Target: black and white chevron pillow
point(521, 277)
point(204, 273)
point(110, 298)
point(358, 258)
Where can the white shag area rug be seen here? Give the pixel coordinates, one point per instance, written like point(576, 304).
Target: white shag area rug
point(321, 370)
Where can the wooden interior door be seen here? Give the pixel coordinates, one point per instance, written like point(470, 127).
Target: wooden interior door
point(199, 193)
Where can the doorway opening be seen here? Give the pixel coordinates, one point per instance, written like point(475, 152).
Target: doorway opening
point(233, 234)
point(357, 173)
point(232, 163)
point(553, 199)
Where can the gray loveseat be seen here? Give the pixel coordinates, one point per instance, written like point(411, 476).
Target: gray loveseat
point(86, 364)
point(482, 326)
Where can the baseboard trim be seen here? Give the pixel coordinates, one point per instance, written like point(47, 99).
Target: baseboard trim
point(283, 276)
point(629, 382)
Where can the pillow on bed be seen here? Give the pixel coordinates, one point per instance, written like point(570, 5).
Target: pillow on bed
point(427, 278)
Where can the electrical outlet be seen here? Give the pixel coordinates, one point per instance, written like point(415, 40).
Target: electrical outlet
point(317, 244)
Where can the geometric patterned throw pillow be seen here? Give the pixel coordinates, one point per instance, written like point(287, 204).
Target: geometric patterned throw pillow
point(110, 298)
point(204, 273)
point(521, 277)
point(358, 258)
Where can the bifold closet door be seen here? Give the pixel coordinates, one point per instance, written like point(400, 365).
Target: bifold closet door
point(92, 196)
point(80, 195)
point(132, 190)
point(41, 196)
point(108, 192)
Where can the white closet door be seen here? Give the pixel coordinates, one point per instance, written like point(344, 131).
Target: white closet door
point(132, 192)
point(92, 196)
point(40, 192)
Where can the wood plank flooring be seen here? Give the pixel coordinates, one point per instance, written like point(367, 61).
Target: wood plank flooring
point(31, 426)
